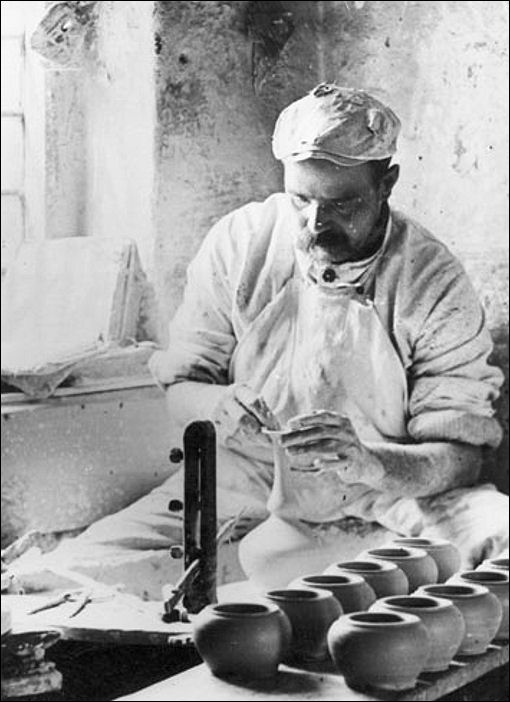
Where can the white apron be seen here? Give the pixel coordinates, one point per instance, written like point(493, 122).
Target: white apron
point(317, 347)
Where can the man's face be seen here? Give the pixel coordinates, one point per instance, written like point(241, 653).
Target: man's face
point(338, 208)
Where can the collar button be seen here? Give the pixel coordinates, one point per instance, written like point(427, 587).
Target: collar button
point(329, 275)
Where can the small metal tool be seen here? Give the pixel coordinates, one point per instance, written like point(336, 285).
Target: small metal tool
point(55, 602)
point(175, 594)
point(82, 602)
point(80, 597)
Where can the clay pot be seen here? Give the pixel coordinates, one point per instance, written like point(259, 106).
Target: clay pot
point(419, 567)
point(494, 564)
point(496, 581)
point(244, 639)
point(310, 612)
point(445, 554)
point(384, 578)
point(384, 650)
point(481, 610)
point(353, 593)
point(445, 625)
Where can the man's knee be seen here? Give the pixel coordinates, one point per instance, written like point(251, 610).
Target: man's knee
point(474, 519)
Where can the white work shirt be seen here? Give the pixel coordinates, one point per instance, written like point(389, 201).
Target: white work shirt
point(420, 293)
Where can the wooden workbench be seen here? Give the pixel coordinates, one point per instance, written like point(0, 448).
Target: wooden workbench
point(124, 621)
point(317, 684)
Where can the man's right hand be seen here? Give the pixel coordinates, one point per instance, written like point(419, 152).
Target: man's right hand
point(239, 417)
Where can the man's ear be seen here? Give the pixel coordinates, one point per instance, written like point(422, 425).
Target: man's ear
point(388, 181)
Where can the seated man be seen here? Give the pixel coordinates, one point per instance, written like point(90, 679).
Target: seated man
point(326, 314)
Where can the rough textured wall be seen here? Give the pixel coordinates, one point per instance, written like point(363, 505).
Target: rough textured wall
point(100, 131)
point(441, 65)
point(120, 103)
point(66, 176)
point(213, 141)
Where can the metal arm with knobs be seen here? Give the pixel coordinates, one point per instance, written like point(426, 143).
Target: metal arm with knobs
point(197, 585)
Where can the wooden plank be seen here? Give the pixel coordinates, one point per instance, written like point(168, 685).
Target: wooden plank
point(127, 620)
point(104, 391)
point(315, 685)
point(116, 619)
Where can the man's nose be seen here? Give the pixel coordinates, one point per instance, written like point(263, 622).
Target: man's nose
point(316, 218)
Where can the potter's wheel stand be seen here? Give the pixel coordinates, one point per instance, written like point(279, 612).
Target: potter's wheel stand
point(197, 586)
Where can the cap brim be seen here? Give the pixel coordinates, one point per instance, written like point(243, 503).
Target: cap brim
point(326, 156)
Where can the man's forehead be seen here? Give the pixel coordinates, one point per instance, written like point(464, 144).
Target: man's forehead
point(326, 174)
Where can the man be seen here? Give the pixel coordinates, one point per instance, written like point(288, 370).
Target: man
point(357, 328)
point(323, 313)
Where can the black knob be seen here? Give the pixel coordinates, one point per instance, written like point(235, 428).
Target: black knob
point(176, 551)
point(329, 275)
point(175, 506)
point(176, 455)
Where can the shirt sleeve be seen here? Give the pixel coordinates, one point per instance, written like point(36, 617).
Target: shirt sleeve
point(201, 338)
point(452, 384)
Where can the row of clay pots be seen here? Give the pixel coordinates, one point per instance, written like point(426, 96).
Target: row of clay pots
point(322, 615)
point(404, 564)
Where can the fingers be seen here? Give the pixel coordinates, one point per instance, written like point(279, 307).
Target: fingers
point(324, 450)
point(316, 459)
point(318, 417)
point(310, 435)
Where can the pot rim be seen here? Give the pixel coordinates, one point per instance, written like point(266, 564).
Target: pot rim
point(242, 609)
point(368, 566)
point(412, 553)
point(502, 563)
point(436, 603)
point(453, 591)
point(496, 577)
point(298, 594)
point(331, 579)
point(383, 619)
point(423, 542)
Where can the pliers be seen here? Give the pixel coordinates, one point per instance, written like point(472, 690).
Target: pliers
point(81, 597)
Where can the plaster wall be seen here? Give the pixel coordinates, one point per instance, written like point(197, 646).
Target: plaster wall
point(100, 132)
point(121, 99)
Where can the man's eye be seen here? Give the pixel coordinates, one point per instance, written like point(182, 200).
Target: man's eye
point(346, 207)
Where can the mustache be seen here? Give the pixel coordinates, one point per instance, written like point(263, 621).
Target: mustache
point(324, 239)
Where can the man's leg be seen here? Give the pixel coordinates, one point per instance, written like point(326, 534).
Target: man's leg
point(131, 546)
point(475, 519)
point(278, 550)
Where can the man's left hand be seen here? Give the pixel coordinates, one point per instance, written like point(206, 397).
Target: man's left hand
point(327, 440)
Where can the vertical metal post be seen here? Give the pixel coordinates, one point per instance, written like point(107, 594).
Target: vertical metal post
point(200, 513)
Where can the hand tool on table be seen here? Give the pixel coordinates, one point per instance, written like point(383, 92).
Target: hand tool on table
point(80, 597)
